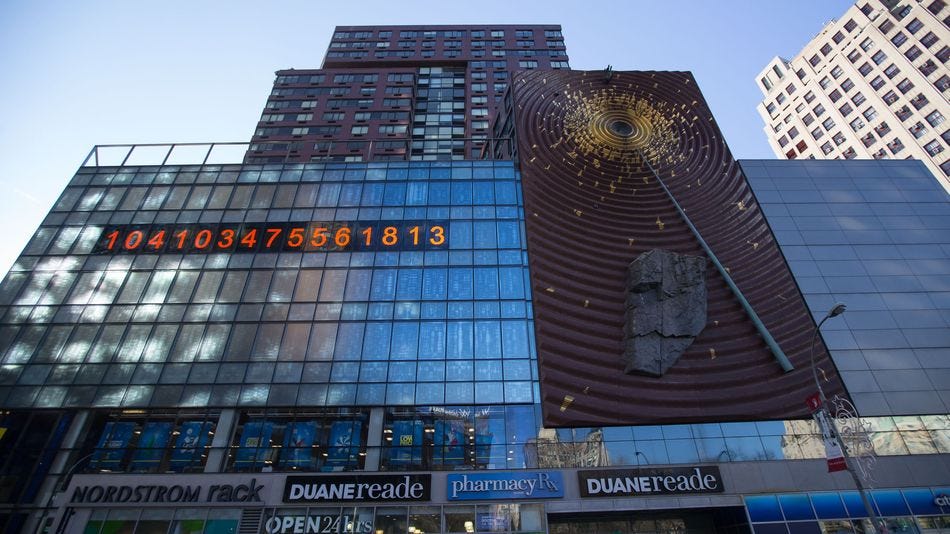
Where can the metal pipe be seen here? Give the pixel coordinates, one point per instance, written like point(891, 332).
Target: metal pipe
point(759, 325)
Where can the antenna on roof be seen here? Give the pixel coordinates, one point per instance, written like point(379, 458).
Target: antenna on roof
point(608, 73)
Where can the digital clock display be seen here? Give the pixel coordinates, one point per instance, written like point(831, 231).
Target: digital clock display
point(274, 237)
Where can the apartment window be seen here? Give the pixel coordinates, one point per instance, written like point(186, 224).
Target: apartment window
point(826, 148)
point(800, 73)
point(835, 95)
point(943, 83)
point(385, 35)
point(500, 87)
point(333, 116)
point(824, 82)
point(905, 85)
point(854, 56)
point(902, 13)
point(858, 99)
point(401, 78)
point(928, 67)
point(918, 130)
point(882, 129)
point(497, 33)
point(846, 109)
point(814, 60)
point(828, 124)
point(838, 138)
point(770, 108)
point(865, 69)
point(838, 37)
point(879, 57)
point(895, 146)
point(857, 124)
point(904, 113)
point(817, 133)
point(914, 26)
point(934, 118)
point(552, 33)
point(498, 65)
point(936, 6)
point(913, 53)
point(390, 129)
point(825, 50)
point(782, 141)
point(808, 119)
point(890, 97)
point(479, 87)
point(886, 26)
point(928, 40)
point(809, 96)
point(880, 154)
point(780, 98)
point(847, 85)
point(790, 89)
point(870, 114)
point(836, 72)
point(819, 110)
point(528, 64)
point(867, 44)
point(866, 9)
point(359, 130)
point(891, 71)
point(868, 140)
point(850, 25)
point(479, 112)
point(478, 34)
point(849, 153)
point(792, 132)
point(933, 148)
point(559, 65)
point(899, 39)
point(524, 43)
point(877, 82)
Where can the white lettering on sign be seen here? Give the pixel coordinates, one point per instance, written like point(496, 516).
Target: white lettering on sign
point(679, 483)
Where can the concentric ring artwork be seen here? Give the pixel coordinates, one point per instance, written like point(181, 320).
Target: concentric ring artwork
point(592, 149)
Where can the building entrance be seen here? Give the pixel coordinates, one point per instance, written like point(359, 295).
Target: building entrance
point(684, 521)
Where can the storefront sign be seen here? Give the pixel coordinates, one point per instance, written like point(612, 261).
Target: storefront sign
point(317, 524)
point(640, 482)
point(357, 488)
point(168, 493)
point(942, 500)
point(523, 485)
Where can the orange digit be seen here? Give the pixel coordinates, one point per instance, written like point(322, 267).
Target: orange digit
point(438, 235)
point(250, 238)
point(273, 233)
point(295, 237)
point(390, 236)
point(342, 237)
point(227, 238)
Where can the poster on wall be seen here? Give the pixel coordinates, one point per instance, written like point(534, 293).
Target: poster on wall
point(343, 445)
point(151, 446)
point(255, 446)
point(298, 444)
point(450, 442)
point(192, 439)
point(112, 446)
point(406, 446)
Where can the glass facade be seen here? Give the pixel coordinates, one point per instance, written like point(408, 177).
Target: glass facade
point(357, 285)
point(874, 235)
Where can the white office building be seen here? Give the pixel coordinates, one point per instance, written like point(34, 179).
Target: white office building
point(872, 84)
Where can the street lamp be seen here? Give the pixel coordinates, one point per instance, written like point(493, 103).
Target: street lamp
point(835, 311)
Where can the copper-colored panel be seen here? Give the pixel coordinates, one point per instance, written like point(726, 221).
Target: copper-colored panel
point(592, 205)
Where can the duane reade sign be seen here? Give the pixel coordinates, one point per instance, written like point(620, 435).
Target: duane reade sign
point(357, 488)
point(644, 482)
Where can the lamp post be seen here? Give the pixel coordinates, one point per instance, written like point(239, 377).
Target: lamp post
point(879, 527)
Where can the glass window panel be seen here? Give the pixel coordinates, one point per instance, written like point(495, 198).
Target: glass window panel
point(460, 340)
point(377, 341)
point(486, 283)
point(158, 286)
point(257, 285)
point(409, 284)
point(334, 282)
point(308, 285)
point(405, 341)
point(322, 341)
point(183, 287)
point(241, 198)
point(294, 344)
point(349, 344)
point(263, 196)
point(384, 285)
point(487, 339)
point(210, 281)
point(460, 235)
point(460, 284)
point(267, 343)
point(358, 284)
point(282, 286)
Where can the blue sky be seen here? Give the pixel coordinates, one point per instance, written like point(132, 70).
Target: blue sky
point(77, 74)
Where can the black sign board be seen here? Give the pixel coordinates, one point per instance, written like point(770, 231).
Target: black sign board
point(645, 482)
point(357, 488)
